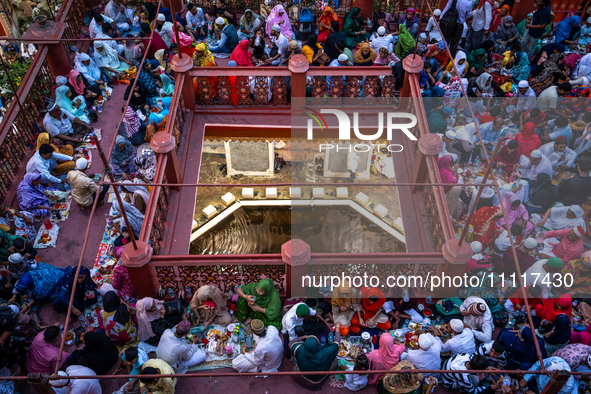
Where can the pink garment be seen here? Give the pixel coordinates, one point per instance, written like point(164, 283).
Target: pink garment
point(583, 337)
point(122, 283)
point(274, 19)
point(478, 264)
point(566, 250)
point(185, 39)
point(447, 176)
point(144, 317)
point(512, 214)
point(385, 358)
point(42, 357)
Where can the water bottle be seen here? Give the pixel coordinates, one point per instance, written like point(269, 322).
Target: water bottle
point(232, 315)
point(405, 295)
point(406, 323)
point(317, 31)
point(429, 300)
point(242, 337)
point(330, 337)
point(499, 172)
point(189, 292)
point(171, 292)
point(323, 341)
point(257, 41)
point(506, 381)
point(368, 22)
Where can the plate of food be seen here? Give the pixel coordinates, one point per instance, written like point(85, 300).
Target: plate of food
point(61, 206)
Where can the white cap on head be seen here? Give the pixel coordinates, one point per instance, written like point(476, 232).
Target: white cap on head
point(51, 107)
point(81, 163)
point(450, 134)
point(161, 17)
point(15, 258)
point(457, 325)
point(381, 30)
point(588, 20)
point(425, 341)
point(536, 154)
point(274, 28)
point(530, 243)
point(523, 84)
point(220, 21)
point(476, 246)
point(343, 58)
point(60, 382)
point(437, 12)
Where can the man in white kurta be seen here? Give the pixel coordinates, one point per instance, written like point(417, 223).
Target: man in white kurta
point(175, 351)
point(267, 354)
point(478, 317)
point(427, 356)
point(164, 28)
point(121, 15)
point(461, 341)
point(76, 386)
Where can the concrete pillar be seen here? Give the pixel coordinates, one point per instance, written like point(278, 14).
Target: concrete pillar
point(183, 65)
point(57, 59)
point(143, 276)
point(164, 142)
point(295, 254)
point(412, 64)
point(298, 65)
point(429, 145)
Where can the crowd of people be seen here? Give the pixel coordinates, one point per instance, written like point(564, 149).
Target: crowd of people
point(520, 91)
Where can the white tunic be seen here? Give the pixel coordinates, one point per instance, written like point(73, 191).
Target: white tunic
point(291, 320)
point(176, 352)
point(425, 359)
point(463, 343)
point(482, 326)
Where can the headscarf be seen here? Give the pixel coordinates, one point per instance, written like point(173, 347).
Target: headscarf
point(328, 15)
point(98, 354)
point(206, 292)
point(447, 176)
point(521, 25)
point(310, 356)
point(136, 188)
point(342, 295)
point(241, 55)
point(521, 68)
point(62, 100)
point(144, 317)
point(360, 58)
point(548, 308)
point(30, 196)
point(131, 51)
point(246, 25)
point(42, 138)
point(559, 221)
point(563, 29)
point(483, 218)
point(108, 58)
point(159, 55)
point(78, 87)
point(512, 214)
point(167, 86)
point(352, 21)
point(135, 217)
point(184, 38)
point(481, 83)
point(389, 352)
point(61, 81)
point(91, 69)
point(270, 301)
point(477, 64)
point(506, 33)
point(71, 279)
point(117, 155)
point(435, 91)
point(207, 60)
point(111, 302)
point(369, 308)
point(274, 19)
point(461, 67)
point(528, 140)
point(405, 42)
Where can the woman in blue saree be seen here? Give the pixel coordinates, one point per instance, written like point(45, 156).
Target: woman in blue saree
point(39, 284)
point(85, 294)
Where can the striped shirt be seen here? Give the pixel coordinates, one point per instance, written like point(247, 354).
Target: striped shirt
point(484, 350)
point(455, 379)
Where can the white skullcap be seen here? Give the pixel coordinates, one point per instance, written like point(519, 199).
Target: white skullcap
point(343, 58)
point(274, 28)
point(14, 309)
point(425, 341)
point(523, 84)
point(588, 20)
point(220, 21)
point(437, 12)
point(555, 366)
point(450, 134)
point(381, 30)
point(15, 258)
point(60, 382)
point(84, 57)
point(536, 154)
point(476, 246)
point(577, 232)
point(457, 325)
point(530, 243)
point(161, 17)
point(61, 81)
point(81, 163)
point(51, 107)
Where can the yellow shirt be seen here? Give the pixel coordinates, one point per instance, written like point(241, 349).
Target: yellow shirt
point(450, 67)
point(309, 52)
point(162, 385)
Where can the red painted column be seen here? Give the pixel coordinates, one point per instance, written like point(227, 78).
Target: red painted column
point(298, 65)
point(142, 275)
point(429, 145)
point(296, 255)
point(164, 142)
point(412, 64)
point(58, 60)
point(366, 7)
point(183, 66)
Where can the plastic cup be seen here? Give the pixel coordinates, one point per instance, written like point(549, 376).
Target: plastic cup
point(47, 223)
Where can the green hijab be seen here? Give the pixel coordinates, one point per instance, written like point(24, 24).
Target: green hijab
point(352, 21)
point(6, 240)
point(310, 356)
point(473, 62)
point(521, 25)
point(271, 300)
point(405, 41)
